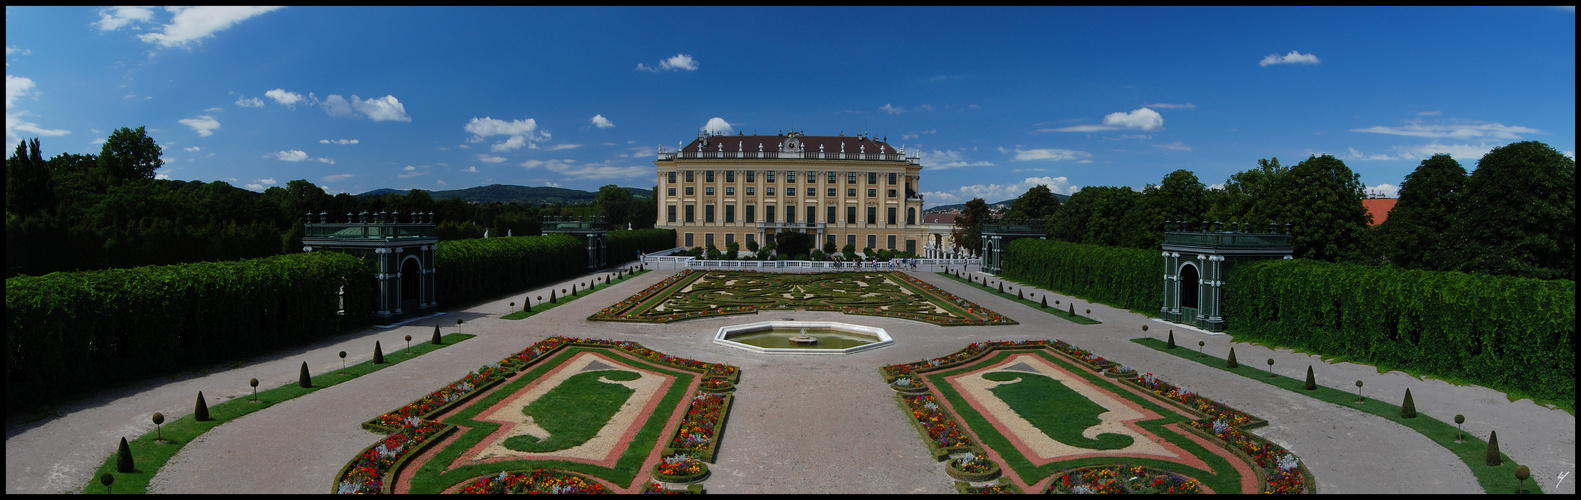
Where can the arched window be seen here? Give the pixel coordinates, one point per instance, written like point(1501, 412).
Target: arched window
point(911, 216)
point(411, 273)
point(1188, 286)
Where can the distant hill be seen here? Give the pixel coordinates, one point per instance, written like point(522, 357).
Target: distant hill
point(513, 194)
point(962, 206)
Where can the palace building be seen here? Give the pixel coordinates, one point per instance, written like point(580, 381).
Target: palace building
point(847, 190)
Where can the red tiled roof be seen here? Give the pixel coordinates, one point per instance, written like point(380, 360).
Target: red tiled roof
point(1379, 208)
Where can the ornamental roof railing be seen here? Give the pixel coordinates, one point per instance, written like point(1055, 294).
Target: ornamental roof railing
point(800, 155)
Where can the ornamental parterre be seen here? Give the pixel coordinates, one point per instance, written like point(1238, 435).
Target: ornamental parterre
point(413, 427)
point(696, 294)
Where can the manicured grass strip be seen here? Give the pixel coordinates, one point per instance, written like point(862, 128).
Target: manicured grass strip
point(435, 475)
point(1059, 411)
point(1078, 319)
point(541, 307)
point(1473, 451)
point(574, 411)
point(149, 456)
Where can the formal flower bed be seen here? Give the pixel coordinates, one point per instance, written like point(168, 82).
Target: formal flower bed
point(941, 428)
point(680, 468)
point(1122, 479)
point(538, 481)
point(1282, 471)
point(716, 385)
point(893, 372)
point(439, 399)
point(972, 467)
point(1213, 409)
point(367, 473)
point(700, 427)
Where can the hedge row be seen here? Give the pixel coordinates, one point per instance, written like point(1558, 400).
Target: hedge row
point(623, 245)
point(70, 333)
point(1506, 333)
point(1122, 277)
point(482, 268)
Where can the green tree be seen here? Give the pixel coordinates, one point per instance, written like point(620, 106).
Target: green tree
point(1517, 216)
point(1036, 206)
point(129, 154)
point(614, 203)
point(793, 243)
point(643, 213)
point(1413, 235)
point(1250, 196)
point(1095, 215)
point(968, 233)
point(1324, 207)
point(29, 184)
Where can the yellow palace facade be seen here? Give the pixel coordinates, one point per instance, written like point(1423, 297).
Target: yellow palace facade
point(847, 190)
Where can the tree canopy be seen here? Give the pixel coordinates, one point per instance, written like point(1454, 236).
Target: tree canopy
point(1517, 215)
point(1413, 236)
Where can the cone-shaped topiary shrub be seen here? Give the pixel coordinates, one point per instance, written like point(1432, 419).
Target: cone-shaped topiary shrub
point(378, 353)
point(1018, 295)
point(123, 457)
point(1311, 381)
point(1073, 310)
point(304, 379)
point(527, 304)
point(1493, 449)
point(200, 410)
point(1045, 303)
point(573, 289)
point(1171, 339)
point(1001, 287)
point(552, 298)
point(1230, 363)
point(435, 340)
point(1408, 408)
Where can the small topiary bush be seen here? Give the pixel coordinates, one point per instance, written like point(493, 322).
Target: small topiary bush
point(378, 353)
point(304, 379)
point(553, 299)
point(123, 457)
point(1045, 303)
point(1408, 408)
point(435, 340)
point(1171, 339)
point(200, 411)
point(1311, 381)
point(1493, 458)
point(1230, 363)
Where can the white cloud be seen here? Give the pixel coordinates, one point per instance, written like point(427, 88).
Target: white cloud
point(287, 99)
point(194, 23)
point(204, 125)
point(1216, 186)
point(521, 132)
point(1138, 119)
point(1570, 154)
point(292, 155)
point(569, 168)
point(925, 107)
point(489, 159)
point(1462, 152)
point(891, 109)
point(1429, 113)
point(601, 122)
point(441, 182)
point(677, 62)
point(162, 175)
point(1384, 190)
point(1453, 131)
point(337, 106)
point(1046, 154)
point(717, 126)
point(338, 141)
point(944, 160)
point(17, 86)
point(994, 193)
point(255, 187)
point(249, 102)
point(215, 109)
point(192, 149)
point(558, 147)
point(410, 174)
point(1353, 154)
point(471, 169)
point(409, 168)
point(113, 18)
point(337, 177)
point(387, 108)
point(266, 182)
point(1165, 105)
point(908, 136)
point(1292, 58)
point(1173, 146)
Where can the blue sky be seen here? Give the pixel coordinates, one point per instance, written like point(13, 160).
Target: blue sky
point(995, 100)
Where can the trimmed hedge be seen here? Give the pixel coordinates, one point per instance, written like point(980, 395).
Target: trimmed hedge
point(623, 244)
point(68, 333)
point(482, 268)
point(1506, 333)
point(1121, 277)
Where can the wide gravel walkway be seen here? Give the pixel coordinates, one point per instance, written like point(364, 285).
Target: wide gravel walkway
point(800, 423)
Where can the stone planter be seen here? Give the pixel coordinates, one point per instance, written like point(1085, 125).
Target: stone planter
point(953, 468)
point(1113, 372)
point(724, 387)
point(914, 389)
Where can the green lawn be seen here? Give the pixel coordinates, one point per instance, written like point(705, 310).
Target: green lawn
point(1035, 304)
point(149, 456)
point(1472, 451)
point(545, 305)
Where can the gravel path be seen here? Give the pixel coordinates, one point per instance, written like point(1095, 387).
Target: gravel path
point(800, 423)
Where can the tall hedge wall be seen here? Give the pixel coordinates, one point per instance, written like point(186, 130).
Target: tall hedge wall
point(1122, 277)
point(1500, 332)
point(481, 268)
point(623, 245)
point(69, 333)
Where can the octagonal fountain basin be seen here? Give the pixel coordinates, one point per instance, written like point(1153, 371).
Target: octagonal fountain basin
point(803, 337)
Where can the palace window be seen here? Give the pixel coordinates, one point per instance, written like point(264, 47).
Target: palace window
point(872, 177)
point(730, 214)
point(752, 176)
point(690, 190)
point(731, 191)
point(768, 191)
point(670, 211)
point(872, 217)
point(708, 213)
point(708, 176)
point(708, 190)
point(730, 176)
point(689, 176)
point(768, 176)
point(672, 178)
point(751, 214)
point(751, 191)
point(891, 221)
